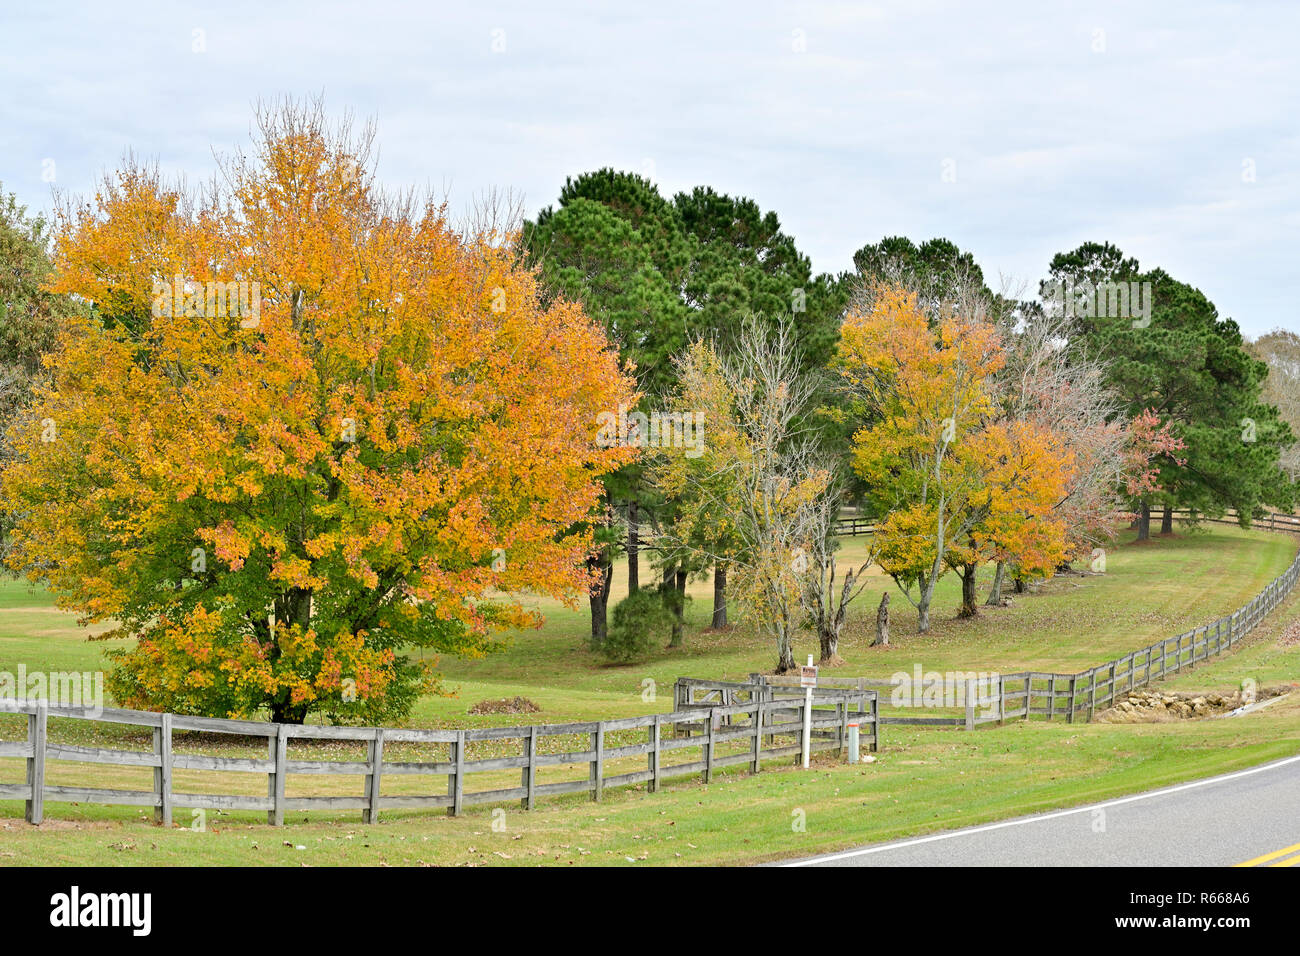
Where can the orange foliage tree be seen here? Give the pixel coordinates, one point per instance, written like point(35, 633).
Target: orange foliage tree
point(1026, 469)
point(308, 432)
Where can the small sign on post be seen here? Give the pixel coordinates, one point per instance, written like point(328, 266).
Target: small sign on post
point(807, 680)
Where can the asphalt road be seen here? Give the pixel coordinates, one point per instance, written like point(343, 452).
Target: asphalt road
point(1250, 816)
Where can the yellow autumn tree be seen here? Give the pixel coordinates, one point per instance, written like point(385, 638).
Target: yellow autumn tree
point(927, 396)
point(310, 436)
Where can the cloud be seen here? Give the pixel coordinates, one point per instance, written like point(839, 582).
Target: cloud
point(1064, 124)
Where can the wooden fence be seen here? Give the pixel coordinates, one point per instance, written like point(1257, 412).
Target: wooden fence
point(850, 525)
point(853, 705)
point(1067, 696)
point(738, 733)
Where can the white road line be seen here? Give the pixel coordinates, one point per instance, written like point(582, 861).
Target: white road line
point(830, 858)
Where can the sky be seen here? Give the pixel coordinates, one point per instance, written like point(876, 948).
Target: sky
point(1016, 130)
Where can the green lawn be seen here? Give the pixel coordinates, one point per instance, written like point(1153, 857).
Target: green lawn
point(1071, 623)
point(924, 779)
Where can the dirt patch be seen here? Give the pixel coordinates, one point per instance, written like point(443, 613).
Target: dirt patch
point(66, 825)
point(1291, 636)
point(505, 705)
point(1153, 707)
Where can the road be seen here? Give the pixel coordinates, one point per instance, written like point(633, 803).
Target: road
point(1250, 817)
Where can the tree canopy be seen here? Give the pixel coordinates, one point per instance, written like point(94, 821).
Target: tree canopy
point(280, 499)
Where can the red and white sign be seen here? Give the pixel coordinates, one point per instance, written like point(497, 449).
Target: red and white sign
point(808, 675)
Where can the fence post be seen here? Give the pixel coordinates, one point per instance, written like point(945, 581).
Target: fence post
point(1074, 680)
point(875, 721)
point(1029, 680)
point(37, 729)
point(162, 774)
point(1092, 692)
point(456, 782)
point(279, 747)
point(529, 772)
point(1051, 695)
point(375, 760)
point(707, 749)
point(757, 752)
point(598, 765)
point(970, 704)
point(654, 755)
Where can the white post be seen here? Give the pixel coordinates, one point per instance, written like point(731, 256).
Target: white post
point(807, 720)
point(853, 742)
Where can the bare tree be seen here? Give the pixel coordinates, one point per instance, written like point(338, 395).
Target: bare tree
point(825, 605)
point(1280, 350)
point(760, 468)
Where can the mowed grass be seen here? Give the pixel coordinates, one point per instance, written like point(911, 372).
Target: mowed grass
point(924, 779)
point(1072, 622)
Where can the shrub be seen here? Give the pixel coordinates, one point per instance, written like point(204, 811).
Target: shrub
point(637, 618)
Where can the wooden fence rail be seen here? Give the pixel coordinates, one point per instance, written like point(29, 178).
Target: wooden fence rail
point(852, 705)
point(852, 525)
point(1072, 696)
point(724, 735)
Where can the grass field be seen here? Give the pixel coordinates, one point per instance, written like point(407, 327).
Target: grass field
point(1149, 591)
point(924, 779)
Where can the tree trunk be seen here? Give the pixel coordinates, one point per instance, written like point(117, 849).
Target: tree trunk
point(882, 622)
point(968, 590)
point(1020, 585)
point(923, 605)
point(599, 596)
point(719, 595)
point(995, 595)
point(1167, 520)
point(679, 618)
point(633, 549)
point(785, 654)
point(829, 639)
point(1144, 522)
point(283, 712)
point(291, 608)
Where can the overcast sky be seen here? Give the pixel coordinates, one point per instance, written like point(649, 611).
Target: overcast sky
point(1016, 130)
